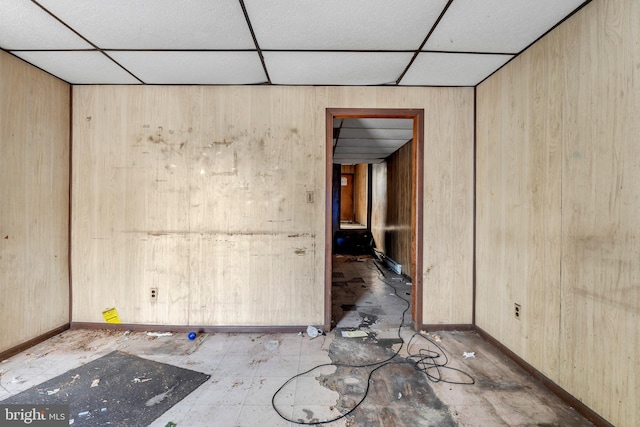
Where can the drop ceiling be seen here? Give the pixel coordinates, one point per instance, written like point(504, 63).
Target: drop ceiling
point(368, 140)
point(278, 42)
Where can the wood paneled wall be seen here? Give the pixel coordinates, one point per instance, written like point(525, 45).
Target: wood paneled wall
point(399, 189)
point(34, 202)
point(361, 182)
point(558, 199)
point(201, 192)
point(379, 205)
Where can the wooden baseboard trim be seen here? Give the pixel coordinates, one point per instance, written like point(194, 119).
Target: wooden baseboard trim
point(450, 327)
point(187, 329)
point(33, 341)
point(569, 399)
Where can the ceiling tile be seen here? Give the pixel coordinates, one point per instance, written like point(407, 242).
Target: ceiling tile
point(377, 123)
point(498, 26)
point(371, 149)
point(79, 67)
point(156, 24)
point(379, 142)
point(342, 25)
point(401, 134)
point(452, 69)
point(335, 68)
point(193, 67)
point(26, 26)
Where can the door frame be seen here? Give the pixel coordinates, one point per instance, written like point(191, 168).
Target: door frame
point(417, 206)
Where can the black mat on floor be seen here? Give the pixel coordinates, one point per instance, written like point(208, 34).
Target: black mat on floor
point(127, 390)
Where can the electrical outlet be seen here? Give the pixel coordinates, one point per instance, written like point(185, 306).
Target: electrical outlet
point(153, 295)
point(517, 310)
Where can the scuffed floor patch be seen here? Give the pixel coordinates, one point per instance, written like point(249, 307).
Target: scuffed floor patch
point(397, 394)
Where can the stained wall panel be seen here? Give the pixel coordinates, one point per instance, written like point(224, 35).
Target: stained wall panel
point(34, 194)
point(379, 205)
point(203, 193)
point(361, 179)
point(399, 191)
point(557, 230)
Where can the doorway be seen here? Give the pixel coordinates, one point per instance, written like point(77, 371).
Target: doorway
point(412, 165)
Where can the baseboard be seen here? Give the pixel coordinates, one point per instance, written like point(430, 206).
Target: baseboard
point(568, 398)
point(33, 341)
point(136, 327)
point(448, 327)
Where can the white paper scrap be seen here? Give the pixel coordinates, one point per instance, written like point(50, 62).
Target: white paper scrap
point(354, 334)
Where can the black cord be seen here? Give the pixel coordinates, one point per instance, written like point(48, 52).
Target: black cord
point(424, 361)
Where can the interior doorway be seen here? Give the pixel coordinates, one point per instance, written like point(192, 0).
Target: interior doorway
point(412, 167)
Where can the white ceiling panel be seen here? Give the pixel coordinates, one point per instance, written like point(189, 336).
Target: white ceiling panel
point(355, 160)
point(209, 68)
point(498, 26)
point(375, 133)
point(369, 149)
point(335, 68)
point(378, 142)
point(369, 140)
point(452, 69)
point(303, 42)
point(24, 25)
point(156, 24)
point(373, 123)
point(342, 24)
point(79, 67)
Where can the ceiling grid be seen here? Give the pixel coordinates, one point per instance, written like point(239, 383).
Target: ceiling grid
point(279, 42)
point(451, 43)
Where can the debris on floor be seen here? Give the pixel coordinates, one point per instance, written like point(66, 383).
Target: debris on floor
point(159, 334)
point(354, 334)
point(313, 332)
point(469, 355)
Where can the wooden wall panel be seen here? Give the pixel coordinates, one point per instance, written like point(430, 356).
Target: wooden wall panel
point(448, 209)
point(398, 229)
point(261, 259)
point(518, 212)
point(361, 189)
point(202, 192)
point(379, 205)
point(558, 201)
point(448, 189)
point(34, 190)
